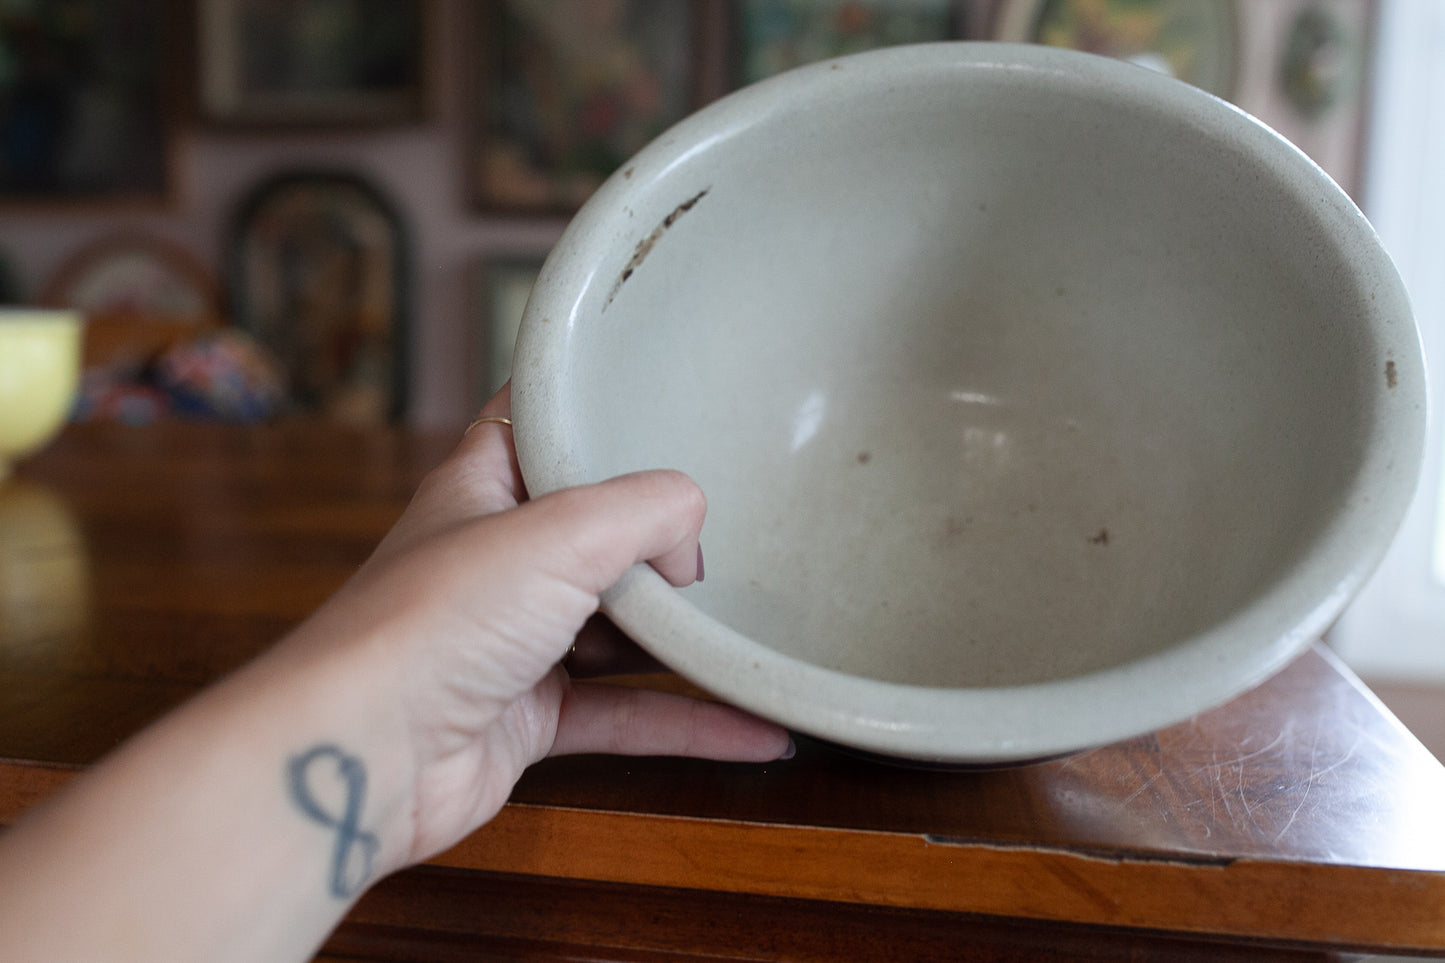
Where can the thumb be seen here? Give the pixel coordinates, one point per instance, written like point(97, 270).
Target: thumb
point(590, 535)
point(530, 577)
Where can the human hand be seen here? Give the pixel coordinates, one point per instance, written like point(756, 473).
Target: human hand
point(472, 601)
point(394, 721)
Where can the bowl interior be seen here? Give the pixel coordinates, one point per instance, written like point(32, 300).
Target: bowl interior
point(993, 377)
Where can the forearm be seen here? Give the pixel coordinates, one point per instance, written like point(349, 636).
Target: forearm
point(240, 828)
point(392, 722)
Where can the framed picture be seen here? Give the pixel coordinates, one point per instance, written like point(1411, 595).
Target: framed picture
point(501, 287)
point(771, 36)
point(318, 272)
point(1196, 41)
point(140, 295)
point(137, 275)
point(1315, 87)
point(317, 62)
point(1306, 75)
point(572, 88)
point(12, 288)
point(85, 113)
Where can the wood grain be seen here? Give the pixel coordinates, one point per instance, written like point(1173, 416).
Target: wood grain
point(439, 915)
point(1307, 767)
point(141, 564)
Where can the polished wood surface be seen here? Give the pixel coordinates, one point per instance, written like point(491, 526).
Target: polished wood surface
point(138, 564)
point(520, 918)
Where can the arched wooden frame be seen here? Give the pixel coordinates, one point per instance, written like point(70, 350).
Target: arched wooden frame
point(140, 294)
point(318, 270)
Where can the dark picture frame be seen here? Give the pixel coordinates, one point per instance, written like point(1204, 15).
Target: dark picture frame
point(554, 115)
point(319, 271)
point(12, 287)
point(319, 63)
point(501, 285)
point(87, 113)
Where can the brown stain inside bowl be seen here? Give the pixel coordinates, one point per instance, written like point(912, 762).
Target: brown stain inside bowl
point(645, 246)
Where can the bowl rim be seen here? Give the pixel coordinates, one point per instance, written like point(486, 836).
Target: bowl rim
point(1000, 724)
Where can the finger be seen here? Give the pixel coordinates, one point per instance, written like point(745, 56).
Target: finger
point(602, 649)
point(640, 722)
point(480, 477)
point(530, 578)
point(487, 451)
point(592, 534)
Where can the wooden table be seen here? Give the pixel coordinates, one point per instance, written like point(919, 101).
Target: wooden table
point(1299, 821)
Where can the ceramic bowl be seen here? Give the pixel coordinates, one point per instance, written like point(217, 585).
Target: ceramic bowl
point(39, 373)
point(1040, 400)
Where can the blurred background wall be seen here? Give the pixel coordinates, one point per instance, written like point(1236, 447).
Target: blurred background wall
point(1302, 64)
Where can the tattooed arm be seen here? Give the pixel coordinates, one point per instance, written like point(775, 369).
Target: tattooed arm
point(385, 728)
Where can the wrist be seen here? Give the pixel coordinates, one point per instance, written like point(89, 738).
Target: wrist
point(346, 762)
point(237, 827)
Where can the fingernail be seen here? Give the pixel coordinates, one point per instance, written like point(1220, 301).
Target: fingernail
point(791, 751)
point(699, 563)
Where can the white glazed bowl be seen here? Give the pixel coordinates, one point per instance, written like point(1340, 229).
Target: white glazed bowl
point(1040, 401)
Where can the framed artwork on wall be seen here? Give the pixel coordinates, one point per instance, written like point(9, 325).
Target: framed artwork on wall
point(1301, 66)
point(140, 294)
point(1197, 41)
point(85, 109)
point(12, 288)
point(138, 275)
point(770, 36)
point(318, 62)
point(318, 272)
point(1314, 88)
point(501, 287)
point(569, 89)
